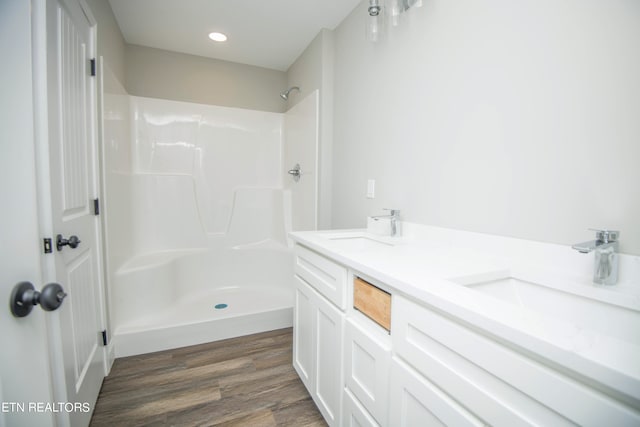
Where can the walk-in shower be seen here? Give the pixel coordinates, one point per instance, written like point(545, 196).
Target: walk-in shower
point(285, 93)
point(189, 260)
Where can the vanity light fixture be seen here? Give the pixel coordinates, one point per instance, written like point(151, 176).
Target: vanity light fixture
point(375, 23)
point(374, 8)
point(218, 37)
point(376, 15)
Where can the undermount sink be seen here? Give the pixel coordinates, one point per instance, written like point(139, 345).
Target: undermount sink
point(588, 312)
point(353, 241)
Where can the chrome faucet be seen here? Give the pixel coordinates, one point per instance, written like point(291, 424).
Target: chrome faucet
point(394, 216)
point(605, 268)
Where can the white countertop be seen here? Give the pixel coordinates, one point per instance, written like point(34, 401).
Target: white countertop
point(430, 265)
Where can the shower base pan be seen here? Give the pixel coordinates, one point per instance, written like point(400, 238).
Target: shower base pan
point(197, 319)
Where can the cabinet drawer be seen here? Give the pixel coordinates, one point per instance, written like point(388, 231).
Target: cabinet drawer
point(372, 302)
point(326, 276)
point(416, 402)
point(496, 383)
point(353, 414)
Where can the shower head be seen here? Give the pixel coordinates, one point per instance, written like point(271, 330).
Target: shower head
point(285, 93)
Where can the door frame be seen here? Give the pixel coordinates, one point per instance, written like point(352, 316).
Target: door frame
point(43, 192)
point(41, 34)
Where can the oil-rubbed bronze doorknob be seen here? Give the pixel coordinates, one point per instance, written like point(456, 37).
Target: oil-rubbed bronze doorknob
point(24, 296)
point(61, 242)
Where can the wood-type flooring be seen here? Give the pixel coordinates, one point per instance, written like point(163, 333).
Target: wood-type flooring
point(245, 381)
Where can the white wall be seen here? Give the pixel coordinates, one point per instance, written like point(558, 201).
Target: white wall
point(513, 118)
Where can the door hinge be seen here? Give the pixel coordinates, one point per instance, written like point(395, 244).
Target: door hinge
point(104, 337)
point(46, 243)
point(96, 206)
point(92, 66)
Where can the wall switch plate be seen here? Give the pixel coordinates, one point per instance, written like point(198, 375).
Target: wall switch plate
point(371, 188)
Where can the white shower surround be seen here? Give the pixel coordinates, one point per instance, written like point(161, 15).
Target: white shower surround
point(195, 198)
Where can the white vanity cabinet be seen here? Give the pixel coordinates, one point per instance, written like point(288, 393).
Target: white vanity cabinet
point(372, 354)
point(318, 331)
point(491, 382)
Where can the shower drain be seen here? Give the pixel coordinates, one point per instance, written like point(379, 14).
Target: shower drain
point(220, 306)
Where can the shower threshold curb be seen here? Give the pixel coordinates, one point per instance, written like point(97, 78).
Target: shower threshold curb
point(170, 337)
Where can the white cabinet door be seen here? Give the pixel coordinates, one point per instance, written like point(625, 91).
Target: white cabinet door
point(366, 365)
point(318, 331)
point(329, 329)
point(303, 339)
point(417, 402)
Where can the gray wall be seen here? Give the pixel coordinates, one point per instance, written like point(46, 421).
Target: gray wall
point(314, 70)
point(111, 44)
point(163, 74)
point(157, 73)
point(306, 70)
point(514, 118)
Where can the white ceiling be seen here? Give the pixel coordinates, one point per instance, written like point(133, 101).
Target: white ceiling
point(265, 33)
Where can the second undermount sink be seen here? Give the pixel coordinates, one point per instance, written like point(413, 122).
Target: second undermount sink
point(591, 310)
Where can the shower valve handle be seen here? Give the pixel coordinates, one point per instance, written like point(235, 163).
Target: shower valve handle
point(295, 172)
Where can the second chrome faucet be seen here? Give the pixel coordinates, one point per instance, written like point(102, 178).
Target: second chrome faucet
point(605, 248)
point(394, 216)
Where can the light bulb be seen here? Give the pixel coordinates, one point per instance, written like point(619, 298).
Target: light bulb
point(218, 37)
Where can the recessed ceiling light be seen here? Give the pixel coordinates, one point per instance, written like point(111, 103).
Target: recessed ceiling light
point(217, 37)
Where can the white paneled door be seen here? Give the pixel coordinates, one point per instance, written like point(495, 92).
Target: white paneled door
point(74, 184)
point(51, 362)
point(24, 367)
